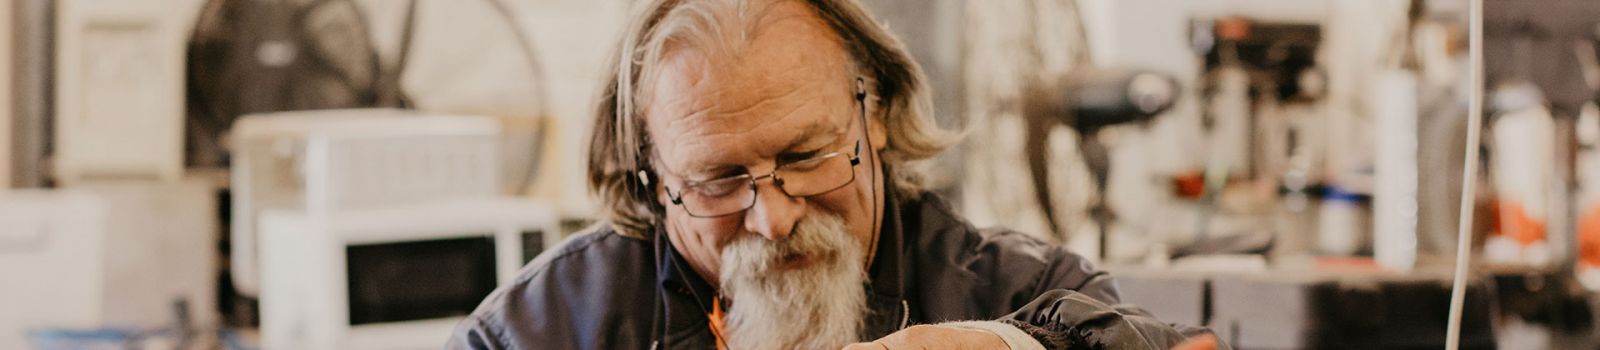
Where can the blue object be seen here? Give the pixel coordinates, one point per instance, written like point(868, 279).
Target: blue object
point(72, 339)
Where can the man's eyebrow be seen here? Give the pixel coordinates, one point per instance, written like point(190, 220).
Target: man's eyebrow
point(698, 172)
point(810, 132)
point(711, 171)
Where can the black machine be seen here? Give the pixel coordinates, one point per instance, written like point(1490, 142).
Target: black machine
point(297, 55)
point(1088, 100)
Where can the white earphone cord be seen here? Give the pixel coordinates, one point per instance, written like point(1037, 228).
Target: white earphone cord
point(1458, 288)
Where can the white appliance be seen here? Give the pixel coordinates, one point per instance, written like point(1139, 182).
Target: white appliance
point(333, 161)
point(119, 88)
point(390, 278)
point(106, 255)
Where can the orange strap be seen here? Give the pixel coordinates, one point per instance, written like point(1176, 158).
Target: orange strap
point(716, 323)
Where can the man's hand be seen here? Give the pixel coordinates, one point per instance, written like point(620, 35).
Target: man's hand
point(934, 337)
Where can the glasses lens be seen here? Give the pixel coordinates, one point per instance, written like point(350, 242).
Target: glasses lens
point(718, 197)
point(816, 176)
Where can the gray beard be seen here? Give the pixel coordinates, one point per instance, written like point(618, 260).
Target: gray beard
point(818, 307)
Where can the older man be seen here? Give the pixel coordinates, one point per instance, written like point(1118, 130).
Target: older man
point(754, 157)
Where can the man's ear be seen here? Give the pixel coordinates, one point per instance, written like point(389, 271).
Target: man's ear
point(874, 115)
point(652, 183)
point(875, 125)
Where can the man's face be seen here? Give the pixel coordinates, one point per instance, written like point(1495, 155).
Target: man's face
point(788, 95)
point(784, 99)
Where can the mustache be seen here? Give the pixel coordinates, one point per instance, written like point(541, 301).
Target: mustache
point(817, 236)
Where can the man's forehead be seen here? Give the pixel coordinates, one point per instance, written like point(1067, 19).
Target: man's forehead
point(706, 142)
point(705, 130)
point(789, 84)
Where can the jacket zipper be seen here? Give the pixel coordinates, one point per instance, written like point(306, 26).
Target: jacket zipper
point(905, 313)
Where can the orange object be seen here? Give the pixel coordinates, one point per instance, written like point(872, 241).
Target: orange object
point(1349, 264)
point(1514, 222)
point(1200, 342)
point(716, 323)
point(1589, 237)
point(1233, 28)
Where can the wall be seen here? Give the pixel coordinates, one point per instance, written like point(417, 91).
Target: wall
point(1548, 58)
point(572, 39)
point(932, 31)
point(6, 115)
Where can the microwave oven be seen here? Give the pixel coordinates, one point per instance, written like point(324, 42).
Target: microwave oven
point(327, 162)
point(398, 277)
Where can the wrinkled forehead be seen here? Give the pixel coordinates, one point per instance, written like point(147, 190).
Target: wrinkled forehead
point(789, 87)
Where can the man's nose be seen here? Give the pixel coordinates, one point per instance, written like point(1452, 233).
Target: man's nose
point(774, 213)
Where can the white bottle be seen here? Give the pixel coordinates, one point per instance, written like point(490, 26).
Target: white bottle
point(1587, 170)
point(1394, 196)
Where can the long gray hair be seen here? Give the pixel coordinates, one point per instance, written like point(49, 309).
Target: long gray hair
point(619, 170)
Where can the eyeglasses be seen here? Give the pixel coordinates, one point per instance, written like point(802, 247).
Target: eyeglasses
point(734, 194)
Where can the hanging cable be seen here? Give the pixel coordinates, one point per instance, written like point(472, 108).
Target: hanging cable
point(1468, 175)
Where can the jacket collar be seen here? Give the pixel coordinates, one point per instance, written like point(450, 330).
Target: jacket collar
point(683, 300)
point(887, 274)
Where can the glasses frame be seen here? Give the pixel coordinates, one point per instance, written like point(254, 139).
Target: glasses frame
point(753, 183)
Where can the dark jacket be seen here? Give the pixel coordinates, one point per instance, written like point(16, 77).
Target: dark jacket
point(600, 290)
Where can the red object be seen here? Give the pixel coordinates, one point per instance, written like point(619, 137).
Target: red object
point(1233, 29)
point(1189, 185)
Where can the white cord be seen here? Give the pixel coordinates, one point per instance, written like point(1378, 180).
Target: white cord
point(1469, 180)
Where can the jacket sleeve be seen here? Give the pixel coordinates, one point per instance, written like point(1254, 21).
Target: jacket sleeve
point(472, 334)
point(1078, 308)
point(1063, 319)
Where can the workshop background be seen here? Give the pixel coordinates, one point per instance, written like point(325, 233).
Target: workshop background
point(358, 174)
